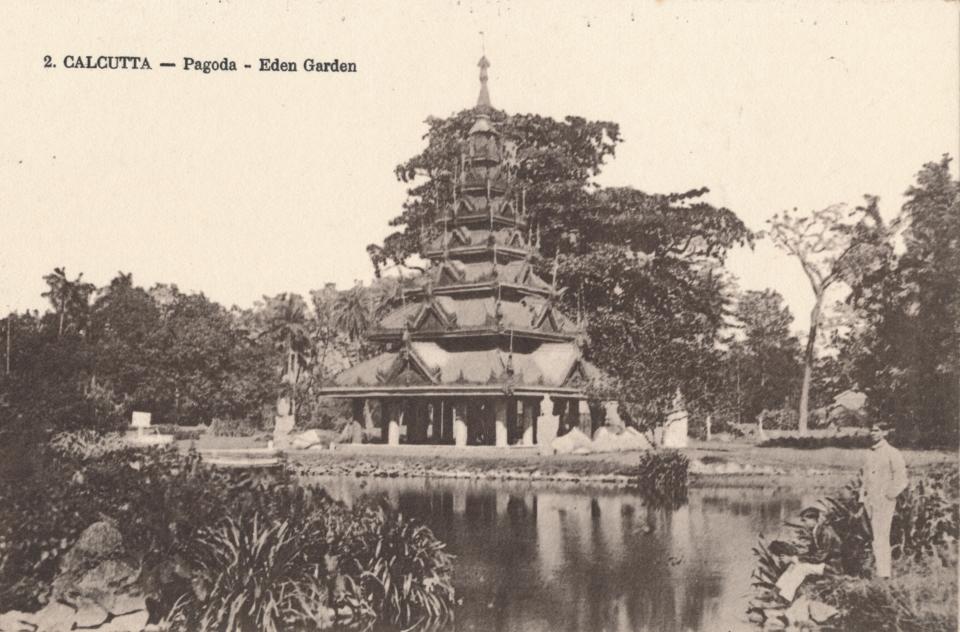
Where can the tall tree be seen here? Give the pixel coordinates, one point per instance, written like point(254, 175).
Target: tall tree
point(833, 245)
point(766, 361)
point(283, 319)
point(67, 297)
point(352, 312)
point(905, 356)
point(643, 270)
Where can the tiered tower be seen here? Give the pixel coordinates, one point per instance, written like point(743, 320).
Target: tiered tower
point(479, 339)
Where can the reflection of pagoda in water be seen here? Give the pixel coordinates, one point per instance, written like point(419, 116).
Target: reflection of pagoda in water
point(480, 341)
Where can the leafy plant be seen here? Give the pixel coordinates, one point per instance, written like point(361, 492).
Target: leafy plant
point(401, 568)
point(264, 567)
point(924, 536)
point(233, 428)
point(86, 444)
point(926, 519)
point(662, 476)
point(253, 575)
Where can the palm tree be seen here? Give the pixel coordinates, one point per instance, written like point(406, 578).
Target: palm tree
point(284, 319)
point(67, 296)
point(352, 316)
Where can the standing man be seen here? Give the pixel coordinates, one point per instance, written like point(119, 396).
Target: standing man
point(884, 478)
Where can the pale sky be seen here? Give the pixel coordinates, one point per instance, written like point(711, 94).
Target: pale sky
point(243, 184)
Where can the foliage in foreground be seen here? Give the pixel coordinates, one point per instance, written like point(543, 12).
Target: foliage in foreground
point(286, 556)
point(923, 594)
point(662, 476)
point(847, 442)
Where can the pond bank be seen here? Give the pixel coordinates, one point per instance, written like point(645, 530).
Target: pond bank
point(712, 464)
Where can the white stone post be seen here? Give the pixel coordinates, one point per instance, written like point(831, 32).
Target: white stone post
point(459, 426)
point(367, 415)
point(500, 423)
point(393, 423)
point(675, 429)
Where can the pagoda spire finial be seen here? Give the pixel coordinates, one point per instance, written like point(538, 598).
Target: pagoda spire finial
point(483, 101)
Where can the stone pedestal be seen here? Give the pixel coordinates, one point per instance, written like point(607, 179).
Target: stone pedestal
point(282, 429)
point(547, 426)
point(583, 417)
point(392, 412)
point(367, 416)
point(500, 423)
point(611, 411)
point(676, 427)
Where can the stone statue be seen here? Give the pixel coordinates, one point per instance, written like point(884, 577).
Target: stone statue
point(547, 426)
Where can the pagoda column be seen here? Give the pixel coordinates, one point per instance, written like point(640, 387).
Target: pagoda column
point(446, 421)
point(500, 422)
point(459, 424)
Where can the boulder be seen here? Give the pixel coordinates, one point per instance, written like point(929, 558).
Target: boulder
point(97, 587)
point(633, 439)
point(351, 433)
point(618, 439)
point(306, 440)
point(573, 440)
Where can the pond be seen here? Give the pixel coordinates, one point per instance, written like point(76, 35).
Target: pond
point(532, 557)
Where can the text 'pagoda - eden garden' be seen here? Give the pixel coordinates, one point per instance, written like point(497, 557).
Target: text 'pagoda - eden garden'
point(478, 352)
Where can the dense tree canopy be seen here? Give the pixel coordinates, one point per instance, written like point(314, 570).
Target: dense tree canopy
point(765, 362)
point(833, 245)
point(644, 270)
point(904, 354)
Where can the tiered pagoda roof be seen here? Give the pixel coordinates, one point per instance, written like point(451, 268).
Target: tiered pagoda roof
point(480, 320)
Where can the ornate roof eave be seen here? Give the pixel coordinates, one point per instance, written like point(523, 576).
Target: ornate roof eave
point(482, 286)
point(509, 251)
point(504, 221)
point(389, 335)
point(452, 390)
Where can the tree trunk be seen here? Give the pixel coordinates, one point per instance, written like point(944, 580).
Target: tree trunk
point(60, 329)
point(9, 327)
point(808, 357)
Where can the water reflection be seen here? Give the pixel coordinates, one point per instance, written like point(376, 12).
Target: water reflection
point(568, 558)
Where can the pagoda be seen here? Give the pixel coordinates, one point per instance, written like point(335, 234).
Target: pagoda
point(479, 350)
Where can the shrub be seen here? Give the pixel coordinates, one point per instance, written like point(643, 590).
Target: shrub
point(847, 442)
point(233, 428)
point(401, 568)
point(86, 444)
point(255, 576)
point(266, 559)
point(926, 519)
point(921, 598)
point(662, 476)
point(924, 535)
point(780, 419)
point(180, 433)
